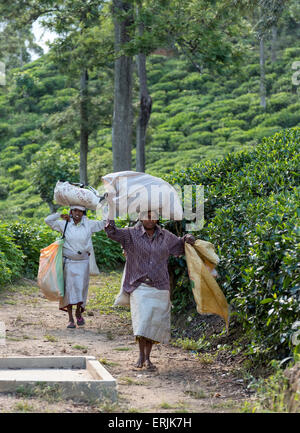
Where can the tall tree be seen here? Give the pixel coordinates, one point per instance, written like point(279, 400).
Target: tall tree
point(274, 43)
point(84, 126)
point(262, 82)
point(206, 32)
point(17, 44)
point(145, 99)
point(269, 12)
point(122, 114)
point(74, 22)
point(202, 30)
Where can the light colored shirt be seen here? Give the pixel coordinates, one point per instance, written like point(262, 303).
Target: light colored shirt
point(78, 237)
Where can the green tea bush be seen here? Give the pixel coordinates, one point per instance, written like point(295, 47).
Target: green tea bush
point(251, 215)
point(21, 242)
point(259, 119)
point(239, 135)
point(282, 118)
point(11, 257)
point(282, 84)
point(31, 238)
point(279, 101)
point(205, 138)
point(205, 126)
point(193, 81)
point(223, 132)
point(252, 70)
point(259, 266)
point(291, 53)
point(108, 253)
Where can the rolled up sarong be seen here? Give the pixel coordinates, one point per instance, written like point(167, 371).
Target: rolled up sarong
point(76, 278)
point(150, 313)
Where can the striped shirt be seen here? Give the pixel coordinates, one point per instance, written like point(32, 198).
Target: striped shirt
point(146, 258)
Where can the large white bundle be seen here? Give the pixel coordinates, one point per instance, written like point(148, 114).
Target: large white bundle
point(131, 192)
point(67, 194)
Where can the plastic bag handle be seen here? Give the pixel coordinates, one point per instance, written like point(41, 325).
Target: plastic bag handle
point(63, 236)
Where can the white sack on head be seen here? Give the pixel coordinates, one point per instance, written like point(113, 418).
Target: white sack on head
point(67, 194)
point(131, 192)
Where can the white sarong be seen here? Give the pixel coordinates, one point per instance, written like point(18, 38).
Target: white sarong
point(150, 313)
point(76, 278)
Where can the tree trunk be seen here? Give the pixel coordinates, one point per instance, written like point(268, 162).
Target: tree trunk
point(122, 117)
point(263, 102)
point(84, 126)
point(53, 207)
point(145, 109)
point(274, 43)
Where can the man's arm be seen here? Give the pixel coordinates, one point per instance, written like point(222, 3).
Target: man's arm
point(116, 234)
point(97, 225)
point(176, 245)
point(54, 222)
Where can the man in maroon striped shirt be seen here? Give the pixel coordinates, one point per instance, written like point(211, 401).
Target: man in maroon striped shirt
point(147, 247)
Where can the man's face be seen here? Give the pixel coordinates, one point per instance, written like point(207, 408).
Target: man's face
point(77, 215)
point(150, 222)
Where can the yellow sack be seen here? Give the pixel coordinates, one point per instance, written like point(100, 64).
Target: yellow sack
point(201, 260)
point(50, 275)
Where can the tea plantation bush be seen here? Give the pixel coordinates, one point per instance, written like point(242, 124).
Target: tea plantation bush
point(31, 238)
point(202, 106)
point(251, 215)
point(21, 242)
point(108, 253)
point(11, 257)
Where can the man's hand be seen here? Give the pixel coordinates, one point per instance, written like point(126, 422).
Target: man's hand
point(110, 223)
point(65, 217)
point(190, 239)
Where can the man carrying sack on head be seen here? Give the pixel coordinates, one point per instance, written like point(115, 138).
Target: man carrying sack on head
point(148, 247)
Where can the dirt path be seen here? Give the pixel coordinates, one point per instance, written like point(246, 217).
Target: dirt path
point(35, 326)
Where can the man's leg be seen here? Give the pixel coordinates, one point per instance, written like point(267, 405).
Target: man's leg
point(70, 313)
point(148, 348)
point(80, 319)
point(141, 359)
point(78, 311)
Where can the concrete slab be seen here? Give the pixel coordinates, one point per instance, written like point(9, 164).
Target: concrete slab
point(77, 377)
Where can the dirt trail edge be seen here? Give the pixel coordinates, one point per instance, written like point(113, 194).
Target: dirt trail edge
point(35, 326)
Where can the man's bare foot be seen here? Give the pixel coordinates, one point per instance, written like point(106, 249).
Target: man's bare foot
point(140, 362)
point(149, 365)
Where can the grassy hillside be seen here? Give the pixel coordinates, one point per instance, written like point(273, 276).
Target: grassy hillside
point(204, 116)
point(195, 117)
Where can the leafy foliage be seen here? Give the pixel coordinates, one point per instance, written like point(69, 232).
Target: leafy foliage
point(52, 165)
point(21, 242)
point(11, 257)
point(251, 214)
point(108, 253)
point(31, 238)
point(195, 116)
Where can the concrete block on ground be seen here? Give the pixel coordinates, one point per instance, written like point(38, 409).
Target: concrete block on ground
point(80, 378)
